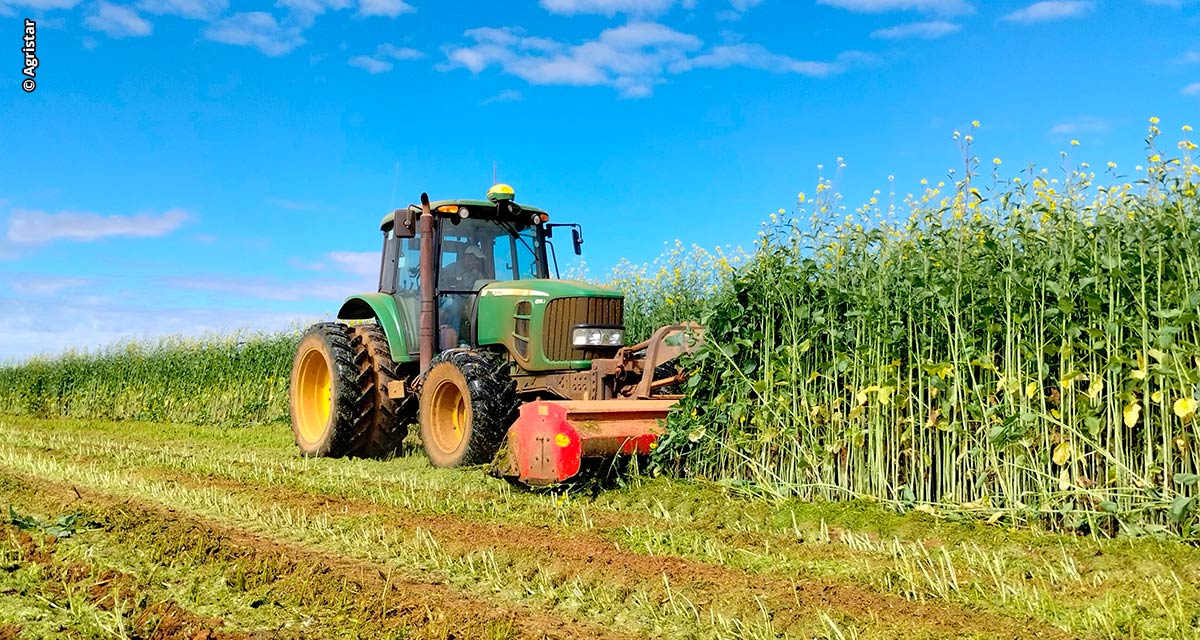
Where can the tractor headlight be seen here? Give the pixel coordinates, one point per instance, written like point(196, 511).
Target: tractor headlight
point(597, 337)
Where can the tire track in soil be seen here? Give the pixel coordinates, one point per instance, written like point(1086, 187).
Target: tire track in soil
point(440, 610)
point(792, 603)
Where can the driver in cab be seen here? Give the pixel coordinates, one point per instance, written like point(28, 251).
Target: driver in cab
point(461, 275)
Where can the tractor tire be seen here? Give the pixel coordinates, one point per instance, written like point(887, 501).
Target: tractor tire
point(383, 430)
point(468, 402)
point(338, 393)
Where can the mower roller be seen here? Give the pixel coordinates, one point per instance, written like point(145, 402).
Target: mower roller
point(470, 337)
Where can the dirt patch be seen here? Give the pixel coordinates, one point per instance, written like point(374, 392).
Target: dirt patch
point(791, 603)
point(373, 601)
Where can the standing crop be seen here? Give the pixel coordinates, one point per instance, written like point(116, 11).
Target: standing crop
point(1029, 350)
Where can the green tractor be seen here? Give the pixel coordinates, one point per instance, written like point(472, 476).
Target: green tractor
point(470, 337)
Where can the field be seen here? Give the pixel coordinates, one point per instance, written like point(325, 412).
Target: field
point(969, 411)
point(168, 530)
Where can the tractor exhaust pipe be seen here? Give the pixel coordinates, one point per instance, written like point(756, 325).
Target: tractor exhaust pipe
point(428, 329)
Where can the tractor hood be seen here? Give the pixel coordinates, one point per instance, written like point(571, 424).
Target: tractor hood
point(547, 289)
point(534, 320)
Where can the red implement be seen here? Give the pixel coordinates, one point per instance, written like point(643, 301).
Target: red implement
point(549, 440)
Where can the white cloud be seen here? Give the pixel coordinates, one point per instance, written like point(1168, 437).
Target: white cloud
point(255, 29)
point(1050, 10)
point(304, 12)
point(117, 21)
point(1085, 124)
point(384, 8)
point(508, 95)
point(607, 7)
point(742, 6)
point(253, 288)
point(755, 56)
point(1192, 89)
point(925, 30)
point(194, 9)
point(99, 322)
point(35, 285)
point(632, 58)
point(41, 5)
point(37, 227)
point(358, 263)
point(945, 7)
point(381, 62)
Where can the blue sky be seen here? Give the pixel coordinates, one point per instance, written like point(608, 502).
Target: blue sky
point(201, 165)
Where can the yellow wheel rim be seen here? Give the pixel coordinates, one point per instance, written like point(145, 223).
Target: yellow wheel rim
point(449, 415)
point(313, 396)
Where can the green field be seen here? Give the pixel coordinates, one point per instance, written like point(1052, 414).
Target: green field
point(178, 529)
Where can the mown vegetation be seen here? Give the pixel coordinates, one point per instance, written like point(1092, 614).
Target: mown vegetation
point(1023, 349)
point(197, 528)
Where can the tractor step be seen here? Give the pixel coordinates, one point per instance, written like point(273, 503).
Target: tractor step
point(547, 443)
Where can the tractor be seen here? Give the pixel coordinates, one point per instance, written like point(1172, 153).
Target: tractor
point(470, 337)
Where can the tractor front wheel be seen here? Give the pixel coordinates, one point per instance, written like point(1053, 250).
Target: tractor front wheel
point(467, 404)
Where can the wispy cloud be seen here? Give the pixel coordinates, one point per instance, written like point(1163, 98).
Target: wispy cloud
point(1082, 125)
point(117, 21)
point(944, 7)
point(293, 205)
point(632, 58)
point(607, 7)
point(359, 263)
point(930, 30)
point(41, 5)
point(508, 95)
point(27, 227)
point(381, 61)
point(194, 9)
point(256, 288)
point(384, 8)
point(1192, 89)
point(1050, 10)
point(40, 286)
point(255, 29)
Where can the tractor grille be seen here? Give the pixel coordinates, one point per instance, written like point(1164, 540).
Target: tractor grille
point(563, 314)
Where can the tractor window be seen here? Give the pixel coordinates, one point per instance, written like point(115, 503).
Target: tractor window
point(476, 251)
point(408, 289)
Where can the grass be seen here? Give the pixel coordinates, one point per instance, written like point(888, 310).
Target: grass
point(697, 560)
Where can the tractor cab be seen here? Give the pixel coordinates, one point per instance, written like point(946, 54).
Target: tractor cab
point(475, 243)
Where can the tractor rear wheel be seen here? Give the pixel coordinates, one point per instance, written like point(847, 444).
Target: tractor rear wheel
point(339, 397)
point(324, 396)
point(380, 434)
point(468, 402)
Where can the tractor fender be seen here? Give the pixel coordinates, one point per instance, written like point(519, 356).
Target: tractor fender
point(381, 307)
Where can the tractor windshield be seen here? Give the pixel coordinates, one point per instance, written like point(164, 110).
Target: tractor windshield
point(475, 252)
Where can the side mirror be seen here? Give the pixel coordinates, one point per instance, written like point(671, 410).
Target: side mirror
point(404, 223)
point(577, 240)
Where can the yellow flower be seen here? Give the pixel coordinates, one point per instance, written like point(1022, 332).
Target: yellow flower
point(1112, 165)
point(975, 124)
point(1154, 120)
point(1187, 127)
point(800, 197)
point(1074, 143)
point(782, 211)
point(1155, 158)
point(996, 161)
